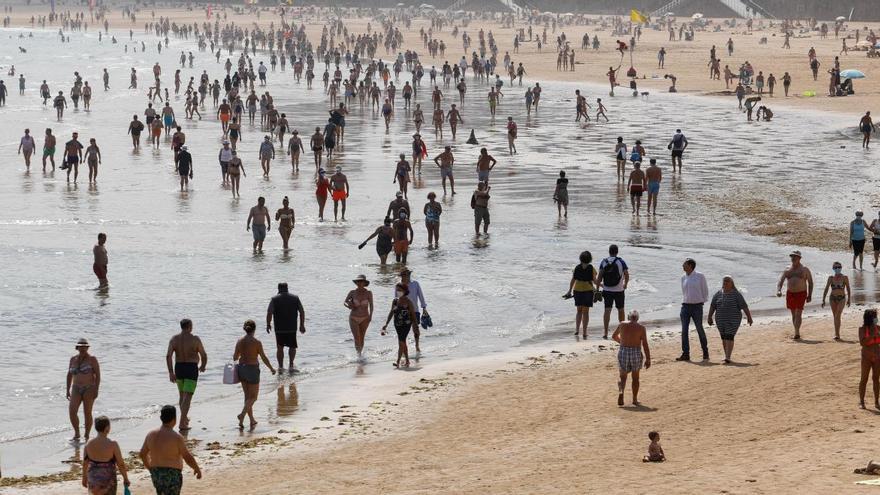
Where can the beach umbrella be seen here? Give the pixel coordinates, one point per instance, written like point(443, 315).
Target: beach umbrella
point(852, 74)
point(697, 16)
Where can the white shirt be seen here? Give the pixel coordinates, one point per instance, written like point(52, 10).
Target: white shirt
point(694, 289)
point(416, 295)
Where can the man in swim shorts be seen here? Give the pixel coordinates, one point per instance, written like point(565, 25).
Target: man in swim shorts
point(287, 310)
point(654, 176)
point(445, 162)
point(163, 454)
point(633, 338)
point(189, 357)
point(636, 186)
point(485, 164)
point(99, 266)
point(799, 290)
point(259, 214)
point(678, 144)
point(403, 237)
point(49, 149)
point(341, 191)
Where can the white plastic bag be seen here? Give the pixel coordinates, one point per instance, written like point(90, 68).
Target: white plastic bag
point(230, 374)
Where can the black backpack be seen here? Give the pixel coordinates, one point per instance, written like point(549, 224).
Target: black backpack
point(610, 273)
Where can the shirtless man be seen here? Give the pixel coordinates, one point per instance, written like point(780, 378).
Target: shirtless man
point(485, 164)
point(403, 236)
point(454, 117)
point(189, 358)
point(445, 161)
point(49, 144)
point(317, 145)
point(612, 78)
point(798, 292)
point(99, 266)
point(224, 112)
point(340, 191)
point(511, 135)
point(677, 145)
point(262, 223)
point(633, 338)
point(866, 126)
point(654, 176)
point(163, 454)
point(636, 186)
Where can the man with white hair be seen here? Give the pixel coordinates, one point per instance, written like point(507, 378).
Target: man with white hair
point(632, 337)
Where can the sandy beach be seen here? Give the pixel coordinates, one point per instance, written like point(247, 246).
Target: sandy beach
point(782, 418)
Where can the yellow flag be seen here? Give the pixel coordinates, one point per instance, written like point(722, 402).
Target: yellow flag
point(638, 17)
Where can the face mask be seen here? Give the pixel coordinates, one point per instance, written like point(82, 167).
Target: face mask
point(837, 271)
point(399, 294)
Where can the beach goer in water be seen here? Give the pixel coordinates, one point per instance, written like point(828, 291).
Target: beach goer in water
point(163, 454)
point(286, 219)
point(317, 145)
point(678, 144)
point(613, 279)
point(654, 176)
point(262, 223)
point(101, 458)
point(73, 157)
point(582, 288)
point(655, 451)
point(341, 191)
point(636, 185)
point(60, 103)
point(403, 312)
point(838, 284)
point(403, 236)
point(799, 290)
point(633, 338)
point(417, 297)
point(869, 338)
point(875, 239)
point(185, 359)
point(511, 135)
point(694, 293)
point(485, 164)
point(49, 144)
point(560, 194)
point(99, 265)
point(322, 185)
point(235, 169)
point(480, 205)
point(620, 153)
point(360, 302)
point(384, 235)
point(184, 168)
point(726, 310)
point(248, 352)
point(287, 310)
point(445, 162)
point(267, 154)
point(294, 147)
point(27, 146)
point(401, 174)
point(857, 239)
point(866, 126)
point(432, 212)
point(83, 381)
point(93, 158)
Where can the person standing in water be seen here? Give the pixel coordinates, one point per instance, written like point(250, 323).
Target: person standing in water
point(840, 295)
point(633, 338)
point(402, 174)
point(636, 186)
point(262, 222)
point(875, 239)
point(654, 175)
point(163, 454)
point(678, 144)
point(27, 146)
point(73, 156)
point(294, 147)
point(267, 154)
point(583, 289)
point(512, 133)
point(341, 191)
point(286, 309)
point(403, 312)
point(799, 290)
point(866, 127)
point(384, 235)
point(432, 212)
point(403, 237)
point(99, 265)
point(857, 239)
point(248, 353)
point(49, 144)
point(560, 194)
point(185, 358)
point(620, 153)
point(322, 186)
point(235, 169)
point(480, 205)
point(286, 219)
point(83, 381)
point(93, 158)
point(184, 168)
point(360, 302)
point(444, 162)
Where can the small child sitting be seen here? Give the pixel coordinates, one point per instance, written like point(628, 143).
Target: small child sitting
point(655, 451)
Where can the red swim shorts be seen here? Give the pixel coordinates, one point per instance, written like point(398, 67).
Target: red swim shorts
point(339, 195)
point(100, 271)
point(795, 300)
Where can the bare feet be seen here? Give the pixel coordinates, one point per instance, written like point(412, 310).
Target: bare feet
point(620, 399)
point(241, 421)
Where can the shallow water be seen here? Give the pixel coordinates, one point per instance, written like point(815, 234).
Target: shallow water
point(175, 256)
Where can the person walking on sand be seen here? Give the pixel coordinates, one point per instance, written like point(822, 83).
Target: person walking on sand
point(838, 283)
point(678, 144)
point(360, 302)
point(101, 458)
point(582, 288)
point(726, 310)
point(403, 312)
point(262, 223)
point(99, 264)
point(857, 239)
point(799, 290)
point(163, 453)
point(869, 338)
point(695, 292)
point(633, 338)
point(248, 353)
point(417, 297)
point(866, 126)
point(287, 310)
point(83, 382)
point(613, 278)
point(188, 356)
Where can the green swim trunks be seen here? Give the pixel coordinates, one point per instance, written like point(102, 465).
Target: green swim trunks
point(167, 481)
point(49, 151)
point(187, 375)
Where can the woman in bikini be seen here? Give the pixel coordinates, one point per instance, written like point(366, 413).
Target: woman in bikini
point(99, 476)
point(235, 169)
point(360, 302)
point(840, 295)
point(317, 145)
point(418, 117)
point(234, 132)
point(285, 218)
point(869, 338)
point(323, 185)
point(83, 380)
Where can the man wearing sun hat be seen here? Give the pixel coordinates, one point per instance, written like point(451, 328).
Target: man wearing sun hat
point(799, 290)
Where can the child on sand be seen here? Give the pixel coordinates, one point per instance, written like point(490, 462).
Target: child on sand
point(655, 451)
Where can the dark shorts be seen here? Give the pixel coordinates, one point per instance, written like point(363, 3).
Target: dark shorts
point(73, 160)
point(858, 247)
point(677, 153)
point(402, 332)
point(167, 481)
point(259, 232)
point(187, 375)
point(285, 339)
point(224, 167)
point(249, 373)
point(481, 214)
point(100, 271)
point(615, 299)
point(583, 299)
point(876, 242)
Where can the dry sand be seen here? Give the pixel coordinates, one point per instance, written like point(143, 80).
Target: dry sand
point(783, 420)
